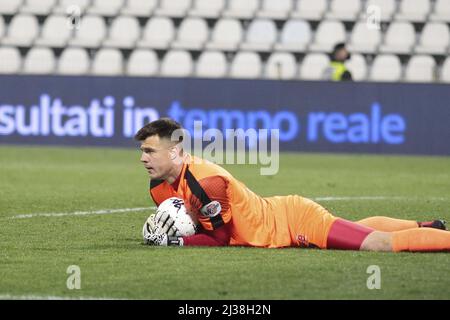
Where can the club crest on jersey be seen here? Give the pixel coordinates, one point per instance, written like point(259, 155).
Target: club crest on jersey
point(212, 209)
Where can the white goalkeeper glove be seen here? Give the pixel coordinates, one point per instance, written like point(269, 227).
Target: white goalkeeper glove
point(159, 238)
point(166, 223)
point(155, 235)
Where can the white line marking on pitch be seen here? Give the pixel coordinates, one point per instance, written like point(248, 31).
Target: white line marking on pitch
point(375, 198)
point(378, 198)
point(79, 213)
point(125, 210)
point(35, 297)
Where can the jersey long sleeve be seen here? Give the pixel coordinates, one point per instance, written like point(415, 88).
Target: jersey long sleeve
point(216, 189)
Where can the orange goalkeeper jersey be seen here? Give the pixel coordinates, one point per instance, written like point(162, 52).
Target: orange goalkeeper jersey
point(215, 197)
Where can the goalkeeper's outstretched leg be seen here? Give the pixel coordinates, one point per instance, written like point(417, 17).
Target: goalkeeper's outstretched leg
point(387, 224)
point(348, 235)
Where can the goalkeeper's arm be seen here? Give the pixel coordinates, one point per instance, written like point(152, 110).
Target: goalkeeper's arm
point(163, 236)
point(216, 238)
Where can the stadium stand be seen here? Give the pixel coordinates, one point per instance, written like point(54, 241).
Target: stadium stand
point(158, 33)
point(38, 7)
point(123, 33)
point(74, 61)
point(386, 67)
point(177, 63)
point(445, 72)
point(192, 34)
point(226, 35)
point(107, 62)
point(274, 39)
point(281, 65)
point(10, 60)
point(142, 63)
point(207, 8)
point(212, 64)
point(295, 36)
point(241, 9)
point(139, 8)
point(385, 8)
point(246, 65)
point(66, 6)
point(22, 30)
point(39, 61)
point(420, 69)
point(261, 35)
point(441, 11)
point(313, 66)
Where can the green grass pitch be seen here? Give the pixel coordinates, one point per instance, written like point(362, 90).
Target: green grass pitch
point(35, 252)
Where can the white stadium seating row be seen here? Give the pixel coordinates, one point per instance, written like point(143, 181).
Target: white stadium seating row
point(295, 35)
point(262, 34)
point(349, 10)
point(214, 64)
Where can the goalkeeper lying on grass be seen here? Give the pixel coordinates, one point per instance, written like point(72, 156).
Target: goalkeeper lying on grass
point(231, 214)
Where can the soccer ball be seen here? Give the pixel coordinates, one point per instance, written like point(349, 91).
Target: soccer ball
point(184, 224)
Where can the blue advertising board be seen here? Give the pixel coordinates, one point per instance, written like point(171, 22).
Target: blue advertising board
point(311, 116)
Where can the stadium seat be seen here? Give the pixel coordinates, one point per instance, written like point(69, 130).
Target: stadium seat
point(91, 32)
point(207, 8)
point(105, 7)
point(55, 32)
point(39, 61)
point(192, 34)
point(142, 63)
point(38, 7)
point(2, 27)
point(364, 39)
point(281, 66)
point(261, 35)
point(66, 6)
point(313, 66)
point(357, 66)
point(139, 8)
point(435, 38)
point(73, 61)
point(158, 33)
point(226, 35)
point(241, 9)
point(275, 9)
point(10, 60)
point(328, 33)
point(173, 8)
point(295, 36)
point(441, 11)
point(420, 68)
point(445, 71)
point(413, 10)
point(10, 7)
point(211, 64)
point(107, 62)
point(177, 63)
point(344, 10)
point(310, 9)
point(22, 31)
point(246, 65)
point(386, 67)
point(399, 38)
point(123, 32)
point(385, 9)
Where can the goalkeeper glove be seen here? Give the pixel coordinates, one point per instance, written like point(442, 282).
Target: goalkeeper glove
point(159, 238)
point(166, 223)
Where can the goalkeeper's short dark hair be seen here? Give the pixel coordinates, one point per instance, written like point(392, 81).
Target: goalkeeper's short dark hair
point(163, 128)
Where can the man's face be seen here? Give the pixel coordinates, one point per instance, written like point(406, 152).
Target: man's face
point(156, 156)
point(342, 54)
